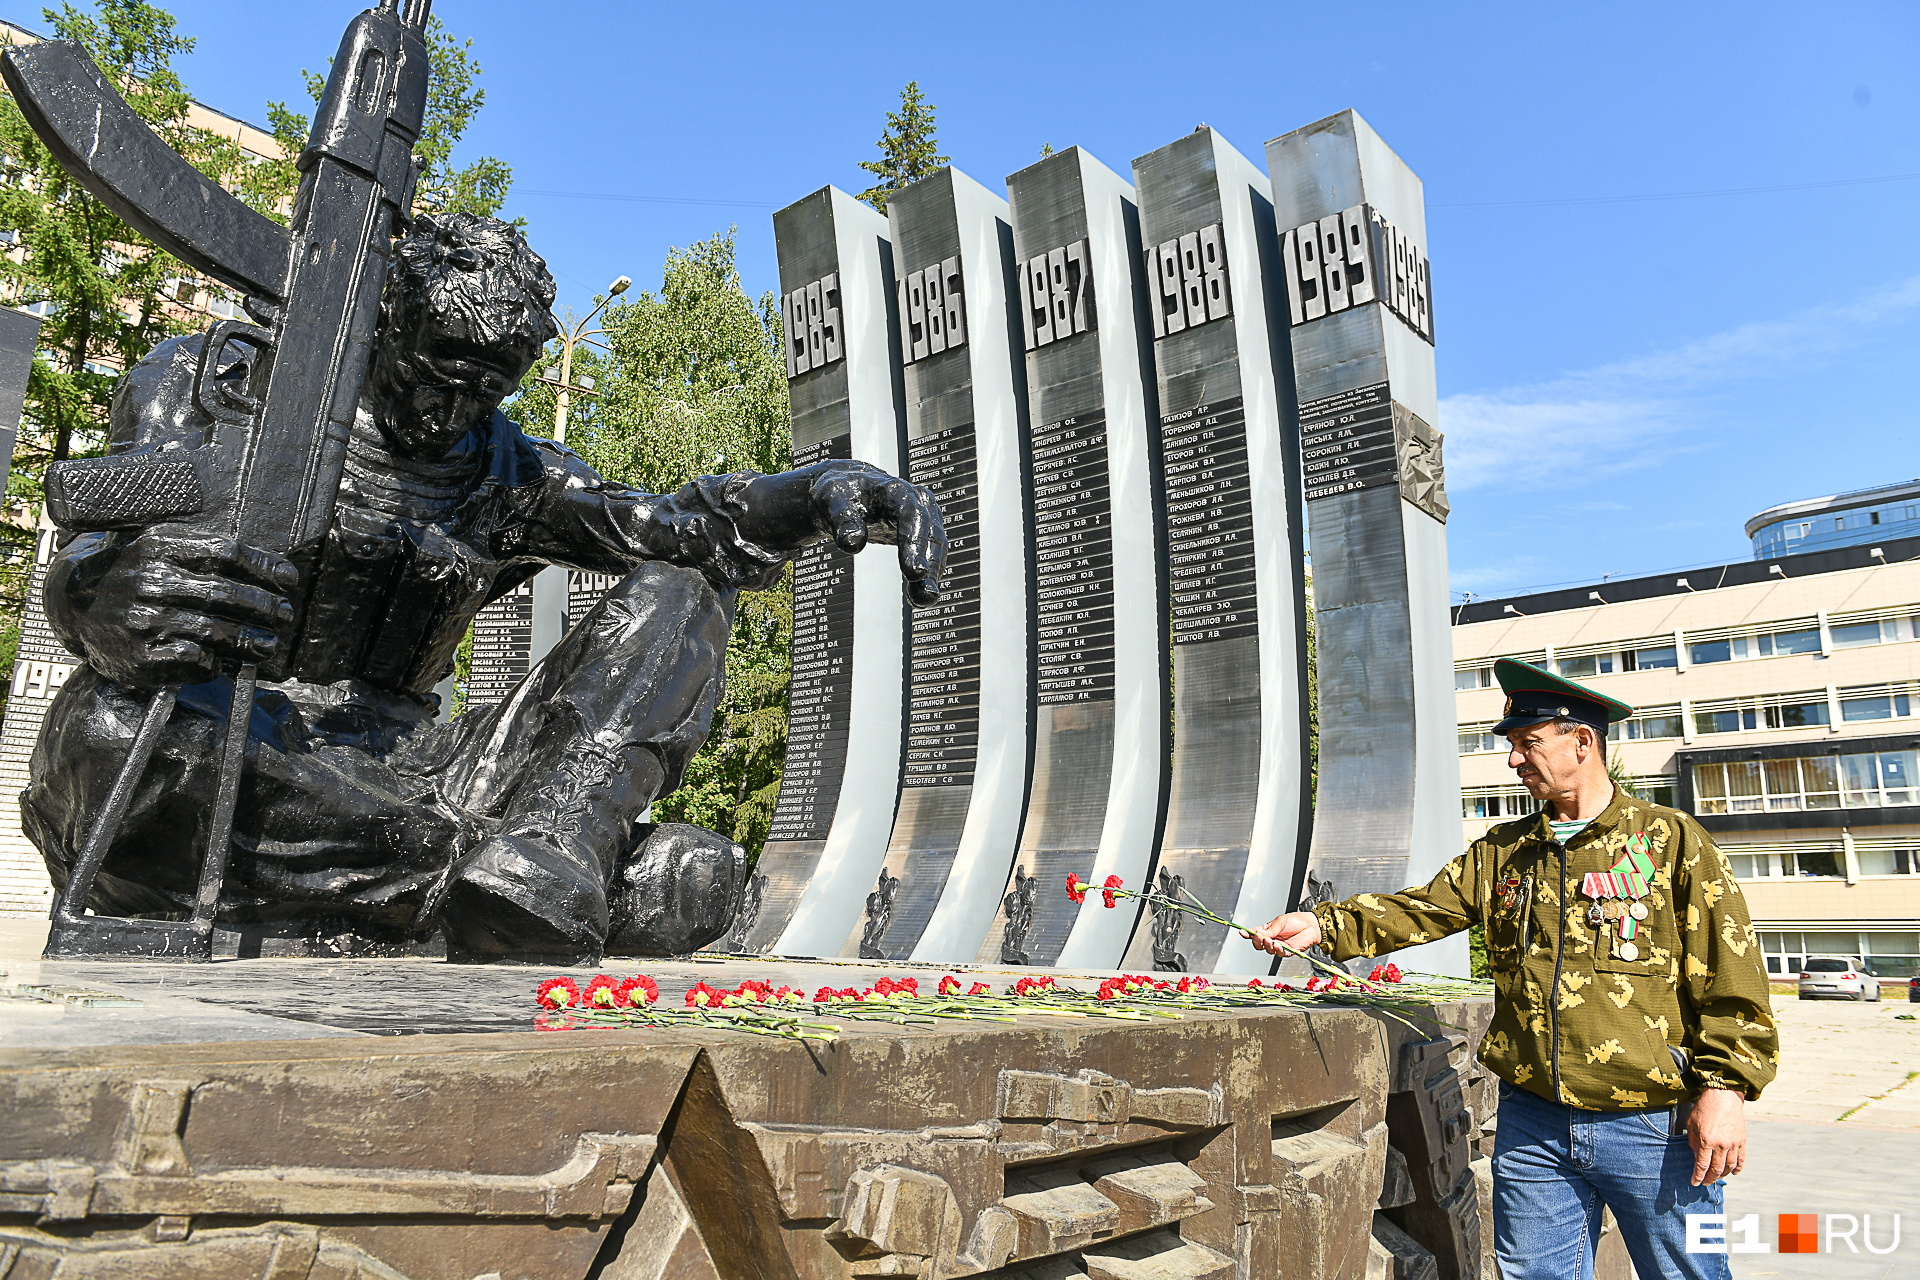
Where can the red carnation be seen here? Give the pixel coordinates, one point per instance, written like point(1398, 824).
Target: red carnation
point(1111, 988)
point(1106, 890)
point(1256, 983)
point(603, 993)
point(980, 989)
point(949, 986)
point(702, 996)
point(1076, 887)
point(558, 993)
point(823, 995)
point(1386, 973)
point(640, 985)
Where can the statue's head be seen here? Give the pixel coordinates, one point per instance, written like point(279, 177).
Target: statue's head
point(468, 306)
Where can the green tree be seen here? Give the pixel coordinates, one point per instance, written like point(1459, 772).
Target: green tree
point(691, 382)
point(908, 148)
point(102, 289)
point(454, 98)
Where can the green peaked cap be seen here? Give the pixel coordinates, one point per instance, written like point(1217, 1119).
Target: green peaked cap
point(1535, 696)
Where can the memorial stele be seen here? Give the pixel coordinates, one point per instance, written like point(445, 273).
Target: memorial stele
point(1219, 371)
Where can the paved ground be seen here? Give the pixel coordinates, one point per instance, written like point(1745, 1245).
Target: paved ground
point(1829, 1169)
point(1844, 1059)
point(1838, 1059)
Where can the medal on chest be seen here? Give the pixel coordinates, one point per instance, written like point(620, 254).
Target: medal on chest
point(1508, 891)
point(1616, 895)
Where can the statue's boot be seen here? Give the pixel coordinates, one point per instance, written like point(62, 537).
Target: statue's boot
point(535, 892)
point(678, 890)
point(561, 775)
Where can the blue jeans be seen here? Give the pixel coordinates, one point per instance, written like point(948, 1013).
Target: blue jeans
point(1555, 1166)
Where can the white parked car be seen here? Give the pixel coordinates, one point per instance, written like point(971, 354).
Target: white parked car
point(1839, 976)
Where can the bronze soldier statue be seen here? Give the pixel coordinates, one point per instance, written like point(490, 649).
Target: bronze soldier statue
point(510, 828)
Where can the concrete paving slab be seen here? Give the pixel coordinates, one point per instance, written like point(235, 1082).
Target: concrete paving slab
point(1829, 1169)
point(1836, 1057)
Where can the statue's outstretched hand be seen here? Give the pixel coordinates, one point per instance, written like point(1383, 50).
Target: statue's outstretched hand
point(854, 504)
point(172, 606)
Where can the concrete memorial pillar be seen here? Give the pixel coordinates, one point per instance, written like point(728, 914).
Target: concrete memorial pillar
point(1101, 729)
point(41, 664)
point(969, 659)
point(1353, 239)
point(1238, 818)
point(837, 795)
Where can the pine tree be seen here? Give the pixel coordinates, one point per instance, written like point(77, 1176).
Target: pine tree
point(908, 148)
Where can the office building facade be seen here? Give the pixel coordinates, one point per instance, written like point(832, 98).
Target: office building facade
point(1778, 700)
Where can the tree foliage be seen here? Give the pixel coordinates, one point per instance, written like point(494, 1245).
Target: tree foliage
point(691, 381)
point(454, 98)
point(909, 150)
point(103, 289)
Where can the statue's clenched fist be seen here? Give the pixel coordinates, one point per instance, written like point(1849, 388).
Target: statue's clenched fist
point(172, 606)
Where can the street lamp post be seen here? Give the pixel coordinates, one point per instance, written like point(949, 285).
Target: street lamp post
point(551, 590)
point(570, 337)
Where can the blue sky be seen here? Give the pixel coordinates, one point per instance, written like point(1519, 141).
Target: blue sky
point(1671, 285)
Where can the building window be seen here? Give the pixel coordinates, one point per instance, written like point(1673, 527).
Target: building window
point(1883, 707)
point(1586, 665)
point(1778, 643)
point(1791, 711)
point(1855, 634)
point(1886, 955)
point(1863, 780)
point(1710, 651)
point(1472, 677)
point(1499, 804)
point(1888, 862)
point(1659, 723)
point(1651, 659)
point(1870, 630)
point(1472, 742)
point(1892, 955)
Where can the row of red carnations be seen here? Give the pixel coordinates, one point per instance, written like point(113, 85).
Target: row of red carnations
point(1133, 984)
point(603, 992)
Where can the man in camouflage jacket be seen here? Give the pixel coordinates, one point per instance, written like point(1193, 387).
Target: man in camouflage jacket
point(1669, 1028)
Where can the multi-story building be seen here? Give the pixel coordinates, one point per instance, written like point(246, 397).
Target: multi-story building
point(1854, 519)
point(1777, 699)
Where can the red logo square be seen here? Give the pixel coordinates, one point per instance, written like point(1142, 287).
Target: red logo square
point(1799, 1233)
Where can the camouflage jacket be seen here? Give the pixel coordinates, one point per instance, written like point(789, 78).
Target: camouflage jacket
point(1606, 1040)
